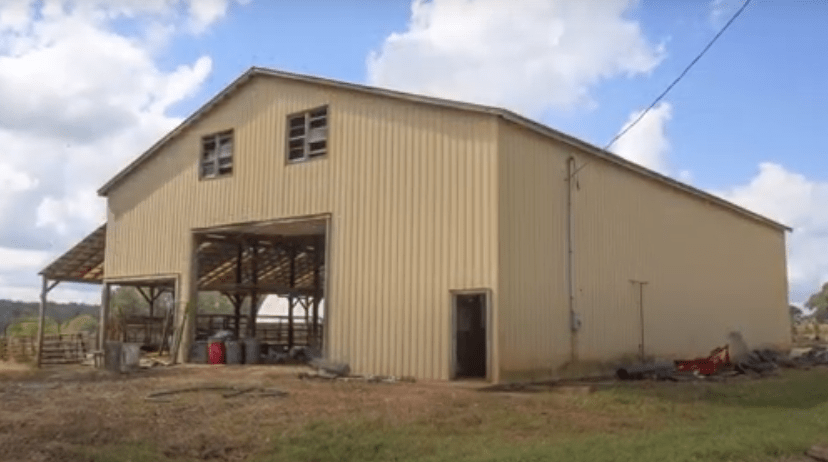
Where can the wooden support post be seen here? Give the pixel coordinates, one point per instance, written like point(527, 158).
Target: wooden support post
point(151, 324)
point(165, 329)
point(103, 321)
point(239, 275)
point(315, 323)
point(255, 302)
point(317, 286)
point(187, 305)
point(40, 323)
point(291, 299)
point(254, 296)
point(150, 299)
point(237, 304)
point(169, 331)
point(291, 304)
point(153, 296)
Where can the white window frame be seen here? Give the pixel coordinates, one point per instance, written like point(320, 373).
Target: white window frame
point(217, 155)
point(304, 132)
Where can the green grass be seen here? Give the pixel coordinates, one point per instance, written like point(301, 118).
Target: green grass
point(748, 421)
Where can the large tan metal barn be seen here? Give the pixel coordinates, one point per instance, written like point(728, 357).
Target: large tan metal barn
point(446, 239)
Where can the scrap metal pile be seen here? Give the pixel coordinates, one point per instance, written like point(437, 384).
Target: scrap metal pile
point(719, 365)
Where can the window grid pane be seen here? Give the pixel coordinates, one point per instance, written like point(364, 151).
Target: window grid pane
point(217, 155)
point(307, 135)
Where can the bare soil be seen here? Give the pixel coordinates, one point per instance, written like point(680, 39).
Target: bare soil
point(57, 413)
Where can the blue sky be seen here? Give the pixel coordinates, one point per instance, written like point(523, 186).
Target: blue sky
point(735, 109)
point(746, 123)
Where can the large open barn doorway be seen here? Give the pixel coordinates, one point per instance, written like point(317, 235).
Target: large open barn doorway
point(247, 263)
point(141, 312)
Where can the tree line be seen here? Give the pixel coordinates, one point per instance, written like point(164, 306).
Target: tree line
point(19, 318)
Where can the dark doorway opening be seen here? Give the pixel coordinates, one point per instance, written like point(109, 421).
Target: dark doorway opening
point(470, 334)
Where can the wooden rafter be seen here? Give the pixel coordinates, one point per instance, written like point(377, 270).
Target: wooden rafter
point(250, 263)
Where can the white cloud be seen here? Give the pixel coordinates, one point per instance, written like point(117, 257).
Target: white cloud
point(15, 15)
point(721, 10)
point(65, 293)
point(14, 184)
point(14, 259)
point(799, 202)
point(79, 98)
point(647, 143)
point(70, 213)
point(205, 12)
point(23, 293)
point(526, 55)
point(12, 180)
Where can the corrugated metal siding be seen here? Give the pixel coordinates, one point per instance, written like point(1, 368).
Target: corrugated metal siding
point(411, 191)
point(532, 304)
point(709, 270)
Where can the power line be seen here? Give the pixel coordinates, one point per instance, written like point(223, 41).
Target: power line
point(683, 73)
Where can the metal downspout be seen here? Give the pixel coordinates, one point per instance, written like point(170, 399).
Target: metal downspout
point(575, 322)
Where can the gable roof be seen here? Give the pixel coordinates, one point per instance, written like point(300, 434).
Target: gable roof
point(439, 102)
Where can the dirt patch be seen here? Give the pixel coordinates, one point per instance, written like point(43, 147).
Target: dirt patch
point(48, 414)
point(61, 413)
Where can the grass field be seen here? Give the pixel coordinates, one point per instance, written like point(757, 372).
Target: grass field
point(81, 414)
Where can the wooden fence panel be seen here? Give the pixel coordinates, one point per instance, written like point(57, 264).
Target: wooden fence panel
point(57, 349)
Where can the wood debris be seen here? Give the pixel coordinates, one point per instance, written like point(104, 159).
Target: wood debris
point(228, 392)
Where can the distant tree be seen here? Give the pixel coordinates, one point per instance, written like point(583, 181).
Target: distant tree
point(164, 304)
point(127, 302)
point(214, 303)
point(796, 314)
point(12, 311)
point(819, 302)
point(27, 327)
point(83, 323)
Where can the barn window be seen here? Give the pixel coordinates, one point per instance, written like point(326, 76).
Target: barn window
point(307, 135)
point(217, 154)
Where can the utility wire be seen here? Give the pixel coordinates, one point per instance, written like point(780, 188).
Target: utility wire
point(683, 73)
